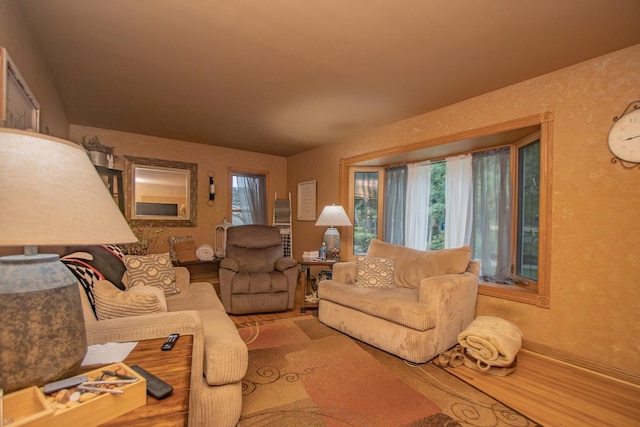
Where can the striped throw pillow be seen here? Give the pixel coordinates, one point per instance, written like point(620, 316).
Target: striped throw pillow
point(112, 303)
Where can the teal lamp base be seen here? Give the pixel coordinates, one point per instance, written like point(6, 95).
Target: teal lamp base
point(41, 322)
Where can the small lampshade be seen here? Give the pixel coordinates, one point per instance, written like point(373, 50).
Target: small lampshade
point(50, 194)
point(333, 216)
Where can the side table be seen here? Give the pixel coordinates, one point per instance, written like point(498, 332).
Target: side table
point(305, 281)
point(174, 367)
point(201, 269)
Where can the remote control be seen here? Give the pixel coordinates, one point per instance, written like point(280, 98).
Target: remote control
point(155, 386)
point(65, 383)
point(170, 342)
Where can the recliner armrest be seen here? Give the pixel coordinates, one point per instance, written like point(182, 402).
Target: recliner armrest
point(230, 264)
point(284, 263)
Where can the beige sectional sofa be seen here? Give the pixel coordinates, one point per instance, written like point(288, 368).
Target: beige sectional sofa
point(431, 300)
point(220, 356)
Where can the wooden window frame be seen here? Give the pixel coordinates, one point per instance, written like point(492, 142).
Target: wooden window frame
point(465, 142)
point(240, 171)
point(351, 205)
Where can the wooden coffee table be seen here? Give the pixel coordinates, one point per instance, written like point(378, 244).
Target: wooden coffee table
point(172, 366)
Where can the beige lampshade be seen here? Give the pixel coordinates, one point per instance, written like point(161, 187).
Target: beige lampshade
point(51, 194)
point(333, 216)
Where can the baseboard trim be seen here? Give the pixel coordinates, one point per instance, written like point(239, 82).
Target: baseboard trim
point(582, 363)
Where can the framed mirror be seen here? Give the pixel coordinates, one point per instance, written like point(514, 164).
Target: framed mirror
point(160, 192)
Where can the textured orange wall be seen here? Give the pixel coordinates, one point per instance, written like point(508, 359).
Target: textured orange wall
point(208, 158)
point(595, 242)
point(24, 52)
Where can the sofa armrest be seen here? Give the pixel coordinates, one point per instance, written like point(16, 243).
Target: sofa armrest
point(433, 289)
point(474, 267)
point(453, 299)
point(183, 278)
point(146, 326)
point(344, 272)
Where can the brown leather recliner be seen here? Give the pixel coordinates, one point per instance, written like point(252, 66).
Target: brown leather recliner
point(255, 277)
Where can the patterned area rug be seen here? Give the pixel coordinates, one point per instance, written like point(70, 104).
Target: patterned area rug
point(303, 373)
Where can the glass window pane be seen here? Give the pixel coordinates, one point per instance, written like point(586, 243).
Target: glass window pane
point(365, 213)
point(248, 199)
point(437, 205)
point(528, 210)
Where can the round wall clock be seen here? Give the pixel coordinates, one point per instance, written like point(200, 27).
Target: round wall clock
point(624, 137)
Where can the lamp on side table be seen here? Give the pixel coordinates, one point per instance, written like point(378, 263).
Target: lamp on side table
point(333, 216)
point(51, 195)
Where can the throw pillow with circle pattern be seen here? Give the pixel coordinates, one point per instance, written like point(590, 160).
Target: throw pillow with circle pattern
point(374, 272)
point(152, 270)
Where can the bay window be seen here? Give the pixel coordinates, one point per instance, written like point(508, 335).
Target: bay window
point(493, 197)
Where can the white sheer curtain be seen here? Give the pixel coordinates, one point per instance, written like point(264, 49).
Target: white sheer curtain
point(417, 205)
point(458, 184)
point(491, 234)
point(253, 198)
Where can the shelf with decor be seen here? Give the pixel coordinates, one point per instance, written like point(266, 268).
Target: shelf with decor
point(113, 181)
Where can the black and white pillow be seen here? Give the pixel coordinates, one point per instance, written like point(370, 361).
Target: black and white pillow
point(92, 263)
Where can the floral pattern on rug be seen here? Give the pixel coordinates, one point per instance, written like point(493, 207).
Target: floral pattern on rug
point(302, 372)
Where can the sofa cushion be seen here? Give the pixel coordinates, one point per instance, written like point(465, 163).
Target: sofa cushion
point(92, 263)
point(398, 305)
point(199, 296)
point(259, 283)
point(412, 265)
point(374, 272)
point(152, 270)
point(113, 303)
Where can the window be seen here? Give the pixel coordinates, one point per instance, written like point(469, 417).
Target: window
point(437, 201)
point(248, 198)
point(505, 218)
point(464, 200)
point(526, 257)
point(365, 209)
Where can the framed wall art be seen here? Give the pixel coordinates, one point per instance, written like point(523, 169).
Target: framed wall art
point(306, 201)
point(19, 109)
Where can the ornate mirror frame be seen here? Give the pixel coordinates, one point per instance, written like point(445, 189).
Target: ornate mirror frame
point(187, 219)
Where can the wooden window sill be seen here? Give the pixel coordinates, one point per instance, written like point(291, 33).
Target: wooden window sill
point(516, 293)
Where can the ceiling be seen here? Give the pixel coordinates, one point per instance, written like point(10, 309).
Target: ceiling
point(285, 76)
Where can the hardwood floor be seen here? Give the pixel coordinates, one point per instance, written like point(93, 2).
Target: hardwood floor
point(553, 393)
point(550, 392)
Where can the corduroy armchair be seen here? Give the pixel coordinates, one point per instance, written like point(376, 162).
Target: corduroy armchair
point(415, 309)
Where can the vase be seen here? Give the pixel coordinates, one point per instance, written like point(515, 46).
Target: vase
point(99, 158)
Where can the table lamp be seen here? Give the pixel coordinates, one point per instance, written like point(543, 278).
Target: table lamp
point(333, 216)
point(51, 195)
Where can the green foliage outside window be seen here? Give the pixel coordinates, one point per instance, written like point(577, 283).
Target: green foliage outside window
point(437, 206)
